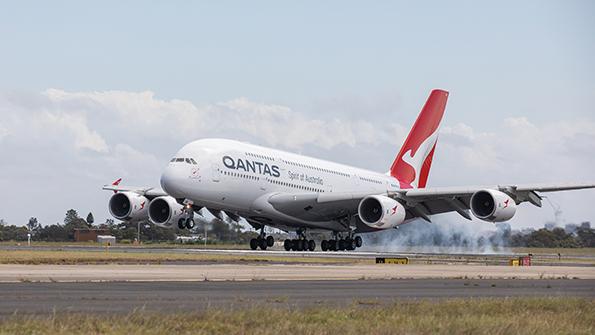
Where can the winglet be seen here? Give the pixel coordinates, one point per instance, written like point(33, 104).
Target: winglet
point(412, 165)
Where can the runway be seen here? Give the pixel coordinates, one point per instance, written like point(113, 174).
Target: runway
point(289, 271)
point(170, 297)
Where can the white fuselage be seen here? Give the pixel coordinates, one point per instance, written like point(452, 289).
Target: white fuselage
point(235, 176)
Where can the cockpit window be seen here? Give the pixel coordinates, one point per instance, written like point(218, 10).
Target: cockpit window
point(182, 160)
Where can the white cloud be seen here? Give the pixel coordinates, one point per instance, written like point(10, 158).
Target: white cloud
point(83, 137)
point(142, 113)
point(3, 132)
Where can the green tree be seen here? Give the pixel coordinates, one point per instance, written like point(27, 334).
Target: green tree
point(73, 221)
point(33, 226)
point(90, 219)
point(586, 237)
point(53, 233)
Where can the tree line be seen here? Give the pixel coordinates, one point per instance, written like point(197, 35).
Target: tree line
point(218, 231)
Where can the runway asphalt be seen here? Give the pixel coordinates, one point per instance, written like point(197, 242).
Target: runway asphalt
point(252, 272)
point(169, 297)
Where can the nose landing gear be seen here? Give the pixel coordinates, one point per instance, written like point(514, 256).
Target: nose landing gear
point(187, 221)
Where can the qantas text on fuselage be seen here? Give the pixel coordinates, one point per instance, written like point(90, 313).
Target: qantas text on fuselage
point(269, 187)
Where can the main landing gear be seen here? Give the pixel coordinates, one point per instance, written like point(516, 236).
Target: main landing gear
point(339, 244)
point(300, 244)
point(262, 241)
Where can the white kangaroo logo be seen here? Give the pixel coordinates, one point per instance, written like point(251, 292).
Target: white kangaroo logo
point(416, 161)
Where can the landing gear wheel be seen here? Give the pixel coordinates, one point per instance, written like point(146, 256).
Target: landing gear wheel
point(358, 241)
point(253, 244)
point(270, 241)
point(287, 245)
point(353, 245)
point(189, 223)
point(324, 245)
point(262, 243)
point(181, 224)
point(311, 245)
point(332, 245)
point(348, 244)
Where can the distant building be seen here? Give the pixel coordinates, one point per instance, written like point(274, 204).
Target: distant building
point(189, 239)
point(86, 234)
point(106, 239)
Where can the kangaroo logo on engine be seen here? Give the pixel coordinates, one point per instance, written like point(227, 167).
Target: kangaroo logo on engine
point(251, 166)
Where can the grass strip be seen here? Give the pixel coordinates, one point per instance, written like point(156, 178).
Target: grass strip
point(456, 316)
point(67, 257)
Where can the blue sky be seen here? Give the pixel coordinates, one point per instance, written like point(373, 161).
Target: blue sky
point(503, 62)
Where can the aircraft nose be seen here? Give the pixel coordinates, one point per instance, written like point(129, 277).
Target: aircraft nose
point(169, 181)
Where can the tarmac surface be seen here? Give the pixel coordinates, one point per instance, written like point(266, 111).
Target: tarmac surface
point(288, 271)
point(170, 297)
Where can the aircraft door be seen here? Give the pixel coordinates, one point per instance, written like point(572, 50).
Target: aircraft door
point(216, 173)
point(262, 183)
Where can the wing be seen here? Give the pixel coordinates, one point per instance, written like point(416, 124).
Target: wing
point(418, 202)
point(148, 192)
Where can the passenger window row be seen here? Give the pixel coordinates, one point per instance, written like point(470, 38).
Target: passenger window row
point(260, 156)
point(182, 160)
point(300, 187)
point(371, 180)
point(240, 175)
point(306, 166)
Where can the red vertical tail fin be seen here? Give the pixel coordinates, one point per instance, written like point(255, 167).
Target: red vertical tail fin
point(412, 165)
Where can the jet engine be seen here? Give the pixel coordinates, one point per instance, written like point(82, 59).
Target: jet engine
point(381, 212)
point(165, 211)
point(128, 206)
point(492, 206)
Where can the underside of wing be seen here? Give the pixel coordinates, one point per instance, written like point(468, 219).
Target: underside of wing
point(316, 206)
point(418, 203)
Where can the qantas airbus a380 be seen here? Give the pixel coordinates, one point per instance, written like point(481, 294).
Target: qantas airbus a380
point(292, 192)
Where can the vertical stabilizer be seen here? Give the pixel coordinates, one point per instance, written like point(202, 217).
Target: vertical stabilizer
point(412, 165)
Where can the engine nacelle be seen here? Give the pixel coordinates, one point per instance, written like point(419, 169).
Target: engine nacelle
point(492, 206)
point(165, 211)
point(381, 212)
point(128, 206)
